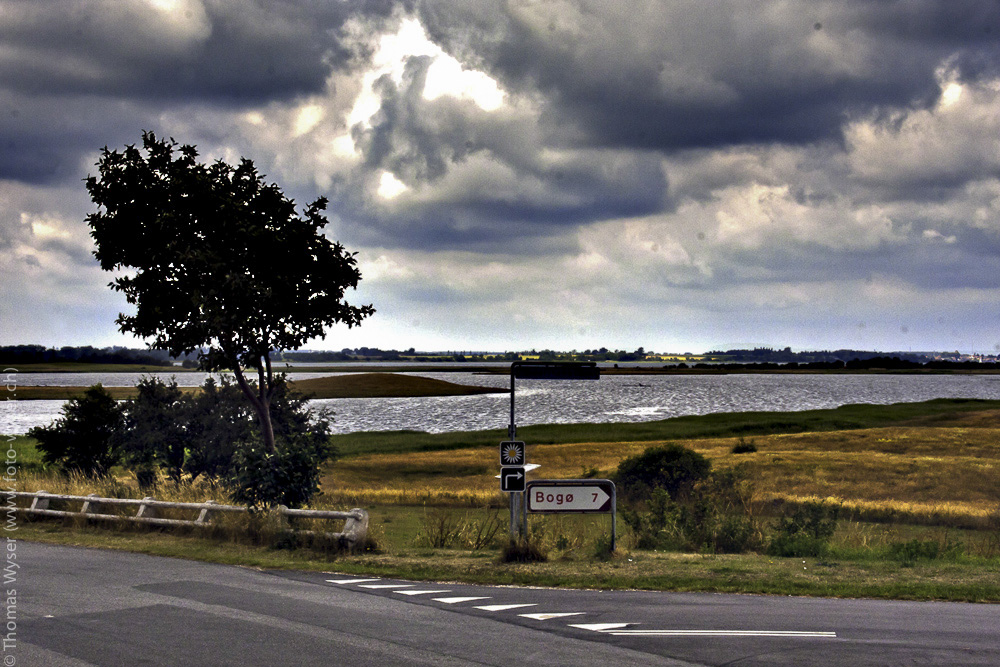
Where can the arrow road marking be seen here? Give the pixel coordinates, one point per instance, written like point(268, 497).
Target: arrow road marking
point(545, 617)
point(505, 607)
point(457, 600)
point(349, 581)
point(601, 627)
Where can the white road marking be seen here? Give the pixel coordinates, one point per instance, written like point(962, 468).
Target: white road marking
point(350, 581)
point(545, 617)
point(722, 633)
point(601, 627)
point(457, 600)
point(386, 585)
point(424, 592)
point(505, 607)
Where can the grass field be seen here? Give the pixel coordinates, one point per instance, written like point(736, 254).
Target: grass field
point(917, 473)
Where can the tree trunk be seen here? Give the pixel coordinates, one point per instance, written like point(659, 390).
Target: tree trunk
point(266, 427)
point(261, 403)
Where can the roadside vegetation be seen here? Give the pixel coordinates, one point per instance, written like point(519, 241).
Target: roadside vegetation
point(884, 501)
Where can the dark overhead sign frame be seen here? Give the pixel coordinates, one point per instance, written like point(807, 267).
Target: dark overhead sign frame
point(555, 370)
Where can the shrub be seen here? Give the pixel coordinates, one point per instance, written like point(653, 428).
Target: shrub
point(717, 516)
point(199, 435)
point(673, 468)
point(84, 439)
point(153, 433)
point(744, 446)
point(523, 550)
point(915, 550)
point(287, 476)
point(806, 532)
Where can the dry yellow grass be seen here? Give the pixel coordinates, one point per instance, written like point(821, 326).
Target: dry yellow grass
point(923, 473)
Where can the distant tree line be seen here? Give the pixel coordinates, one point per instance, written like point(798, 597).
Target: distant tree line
point(35, 354)
point(785, 355)
point(871, 363)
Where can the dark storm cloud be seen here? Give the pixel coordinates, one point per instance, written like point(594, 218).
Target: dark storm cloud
point(688, 74)
point(238, 51)
point(75, 76)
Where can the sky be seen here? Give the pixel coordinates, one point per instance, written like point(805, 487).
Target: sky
point(567, 174)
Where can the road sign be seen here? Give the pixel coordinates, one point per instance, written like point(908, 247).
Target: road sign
point(512, 479)
point(512, 453)
point(554, 370)
point(571, 495)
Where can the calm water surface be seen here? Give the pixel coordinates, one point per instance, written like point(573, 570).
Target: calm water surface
point(613, 398)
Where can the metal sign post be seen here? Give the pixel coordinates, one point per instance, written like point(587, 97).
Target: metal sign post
point(534, 370)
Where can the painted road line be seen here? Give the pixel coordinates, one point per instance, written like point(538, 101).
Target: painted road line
point(350, 581)
point(505, 607)
point(423, 592)
point(601, 627)
point(723, 633)
point(375, 586)
point(545, 617)
point(458, 600)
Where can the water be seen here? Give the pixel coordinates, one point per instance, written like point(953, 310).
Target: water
point(613, 398)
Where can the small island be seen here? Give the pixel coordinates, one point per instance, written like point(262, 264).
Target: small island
point(355, 385)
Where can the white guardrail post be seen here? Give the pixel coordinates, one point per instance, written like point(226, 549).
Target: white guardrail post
point(93, 507)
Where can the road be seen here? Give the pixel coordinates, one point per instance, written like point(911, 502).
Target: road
point(75, 607)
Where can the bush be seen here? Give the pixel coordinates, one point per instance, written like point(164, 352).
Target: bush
point(806, 532)
point(673, 468)
point(287, 476)
point(716, 516)
point(523, 550)
point(201, 435)
point(915, 550)
point(153, 433)
point(744, 446)
point(84, 439)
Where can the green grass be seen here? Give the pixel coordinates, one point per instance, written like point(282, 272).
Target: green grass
point(720, 425)
point(845, 573)
point(20, 451)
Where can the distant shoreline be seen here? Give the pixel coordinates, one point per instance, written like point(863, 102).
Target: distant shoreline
point(618, 368)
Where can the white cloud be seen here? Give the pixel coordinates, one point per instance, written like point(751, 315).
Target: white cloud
point(955, 141)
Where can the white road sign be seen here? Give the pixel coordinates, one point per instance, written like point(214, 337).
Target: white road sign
point(581, 496)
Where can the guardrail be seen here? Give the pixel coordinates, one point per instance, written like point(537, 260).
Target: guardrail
point(353, 535)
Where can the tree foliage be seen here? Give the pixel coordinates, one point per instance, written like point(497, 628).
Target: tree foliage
point(217, 260)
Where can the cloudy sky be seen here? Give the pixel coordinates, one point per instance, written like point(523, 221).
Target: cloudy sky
point(678, 175)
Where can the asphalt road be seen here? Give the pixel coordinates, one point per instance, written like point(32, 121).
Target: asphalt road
point(76, 607)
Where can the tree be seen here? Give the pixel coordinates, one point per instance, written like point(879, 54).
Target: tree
point(217, 261)
point(84, 439)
